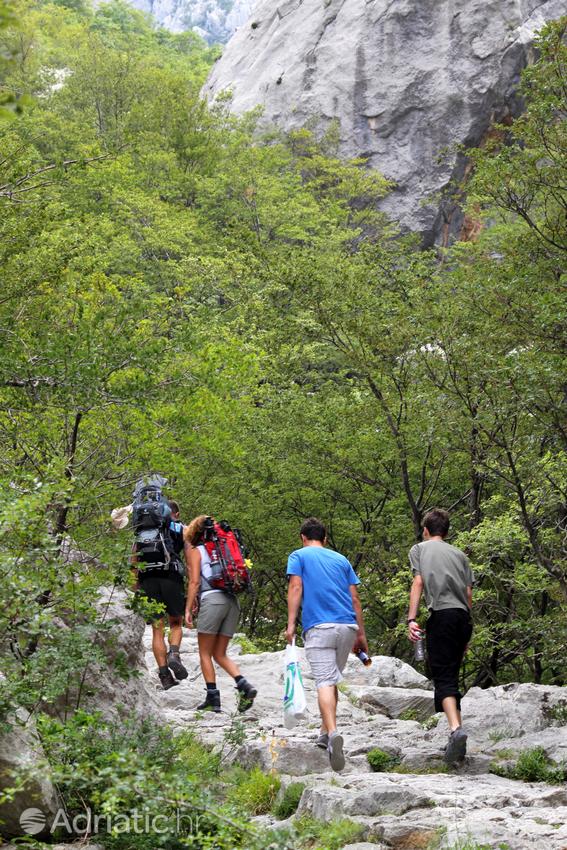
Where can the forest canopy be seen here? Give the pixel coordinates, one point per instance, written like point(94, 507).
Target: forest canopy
point(186, 292)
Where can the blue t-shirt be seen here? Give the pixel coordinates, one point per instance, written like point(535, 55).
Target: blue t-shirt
point(327, 577)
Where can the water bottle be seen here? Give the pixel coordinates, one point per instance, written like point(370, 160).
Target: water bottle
point(362, 656)
point(419, 650)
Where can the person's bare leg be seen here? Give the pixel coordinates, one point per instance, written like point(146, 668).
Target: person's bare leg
point(328, 707)
point(222, 659)
point(452, 714)
point(175, 631)
point(158, 643)
point(206, 649)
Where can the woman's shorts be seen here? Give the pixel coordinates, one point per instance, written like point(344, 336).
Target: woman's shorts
point(219, 614)
point(327, 648)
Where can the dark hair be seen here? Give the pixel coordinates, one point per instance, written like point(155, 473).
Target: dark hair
point(174, 506)
point(313, 529)
point(437, 522)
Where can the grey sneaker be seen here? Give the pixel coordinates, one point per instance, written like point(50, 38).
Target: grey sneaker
point(456, 746)
point(322, 741)
point(335, 750)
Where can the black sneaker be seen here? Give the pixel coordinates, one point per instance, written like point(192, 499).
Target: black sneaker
point(456, 746)
point(212, 702)
point(247, 695)
point(174, 663)
point(166, 679)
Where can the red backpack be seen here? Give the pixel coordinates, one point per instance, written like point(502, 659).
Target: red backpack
point(228, 570)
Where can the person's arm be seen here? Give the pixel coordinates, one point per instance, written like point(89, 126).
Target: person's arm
point(360, 643)
point(469, 596)
point(193, 562)
point(414, 632)
point(294, 594)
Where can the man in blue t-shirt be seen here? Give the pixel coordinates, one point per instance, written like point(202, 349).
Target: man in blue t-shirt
point(332, 623)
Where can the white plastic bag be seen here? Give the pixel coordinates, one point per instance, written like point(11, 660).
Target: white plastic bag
point(295, 703)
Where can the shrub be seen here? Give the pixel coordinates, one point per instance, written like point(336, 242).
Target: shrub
point(380, 761)
point(335, 835)
point(409, 714)
point(256, 792)
point(290, 800)
point(533, 766)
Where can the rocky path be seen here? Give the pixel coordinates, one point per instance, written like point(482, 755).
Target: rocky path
point(420, 805)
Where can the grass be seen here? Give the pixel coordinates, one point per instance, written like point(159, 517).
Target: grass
point(558, 714)
point(255, 792)
point(316, 835)
point(431, 722)
point(533, 766)
point(410, 714)
point(380, 761)
point(289, 802)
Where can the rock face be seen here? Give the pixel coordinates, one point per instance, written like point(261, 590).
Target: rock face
point(406, 80)
point(20, 748)
point(214, 20)
point(102, 688)
point(421, 805)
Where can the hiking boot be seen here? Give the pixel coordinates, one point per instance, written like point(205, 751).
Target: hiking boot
point(212, 702)
point(335, 750)
point(322, 741)
point(457, 746)
point(247, 695)
point(166, 679)
point(174, 663)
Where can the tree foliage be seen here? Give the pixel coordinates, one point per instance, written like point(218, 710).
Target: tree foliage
point(185, 292)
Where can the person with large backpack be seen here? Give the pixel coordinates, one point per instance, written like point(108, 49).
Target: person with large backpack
point(160, 572)
point(217, 574)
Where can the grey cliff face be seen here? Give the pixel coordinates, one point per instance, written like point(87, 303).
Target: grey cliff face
point(406, 79)
point(214, 20)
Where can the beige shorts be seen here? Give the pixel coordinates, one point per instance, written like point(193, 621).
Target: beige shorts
point(327, 648)
point(219, 614)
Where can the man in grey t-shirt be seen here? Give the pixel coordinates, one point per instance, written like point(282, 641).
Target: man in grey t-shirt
point(443, 573)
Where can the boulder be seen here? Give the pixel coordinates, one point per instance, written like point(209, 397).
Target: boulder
point(394, 702)
point(32, 810)
point(103, 689)
point(385, 672)
point(405, 81)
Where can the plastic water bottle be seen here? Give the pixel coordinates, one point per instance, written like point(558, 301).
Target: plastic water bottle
point(419, 651)
point(362, 656)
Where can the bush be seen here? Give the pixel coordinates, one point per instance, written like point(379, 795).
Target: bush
point(256, 792)
point(533, 766)
point(290, 800)
point(327, 836)
point(380, 761)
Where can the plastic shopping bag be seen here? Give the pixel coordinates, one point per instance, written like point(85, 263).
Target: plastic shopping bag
point(295, 704)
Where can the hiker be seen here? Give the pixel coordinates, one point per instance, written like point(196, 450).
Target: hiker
point(217, 614)
point(162, 582)
point(332, 623)
point(443, 573)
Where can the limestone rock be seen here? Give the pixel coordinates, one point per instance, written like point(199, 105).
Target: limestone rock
point(20, 748)
point(394, 702)
point(406, 81)
point(421, 805)
point(102, 688)
point(385, 672)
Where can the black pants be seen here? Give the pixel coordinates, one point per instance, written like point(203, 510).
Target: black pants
point(447, 634)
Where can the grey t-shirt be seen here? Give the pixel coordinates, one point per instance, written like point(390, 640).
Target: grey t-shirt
point(446, 574)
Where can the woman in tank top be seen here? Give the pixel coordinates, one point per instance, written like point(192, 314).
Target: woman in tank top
point(217, 620)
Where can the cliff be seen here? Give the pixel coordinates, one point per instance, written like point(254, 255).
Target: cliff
point(407, 81)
